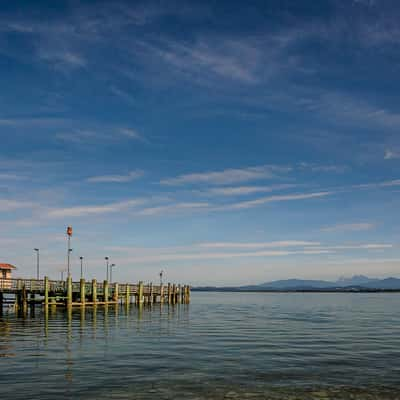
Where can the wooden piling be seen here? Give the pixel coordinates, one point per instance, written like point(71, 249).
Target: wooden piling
point(178, 294)
point(169, 294)
point(161, 294)
point(105, 291)
point(46, 291)
point(173, 293)
point(1, 304)
point(94, 291)
point(151, 293)
point(69, 292)
point(116, 294)
point(127, 294)
point(140, 297)
point(82, 291)
point(188, 295)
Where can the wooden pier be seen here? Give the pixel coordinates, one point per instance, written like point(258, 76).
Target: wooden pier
point(30, 292)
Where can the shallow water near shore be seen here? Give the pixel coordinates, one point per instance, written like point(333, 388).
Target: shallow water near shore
point(221, 346)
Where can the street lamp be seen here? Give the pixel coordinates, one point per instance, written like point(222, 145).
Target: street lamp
point(161, 275)
point(37, 263)
point(69, 252)
point(106, 258)
point(111, 267)
point(81, 258)
point(69, 234)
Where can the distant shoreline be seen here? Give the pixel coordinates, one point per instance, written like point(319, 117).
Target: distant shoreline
point(233, 290)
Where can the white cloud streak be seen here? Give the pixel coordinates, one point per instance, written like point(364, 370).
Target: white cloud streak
point(361, 226)
point(81, 211)
point(246, 190)
point(116, 178)
point(242, 245)
point(273, 199)
point(12, 205)
point(173, 208)
point(228, 176)
point(391, 154)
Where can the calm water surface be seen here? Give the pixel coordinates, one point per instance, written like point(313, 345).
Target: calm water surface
point(221, 346)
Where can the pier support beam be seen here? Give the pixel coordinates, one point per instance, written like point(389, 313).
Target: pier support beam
point(46, 291)
point(161, 294)
point(140, 297)
point(127, 294)
point(94, 291)
point(83, 291)
point(178, 294)
point(116, 292)
point(187, 294)
point(173, 293)
point(151, 293)
point(105, 291)
point(69, 292)
point(169, 294)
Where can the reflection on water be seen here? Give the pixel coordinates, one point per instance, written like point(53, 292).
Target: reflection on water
point(222, 346)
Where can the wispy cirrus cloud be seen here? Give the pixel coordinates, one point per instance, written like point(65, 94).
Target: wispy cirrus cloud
point(116, 178)
point(275, 198)
point(173, 208)
point(247, 190)
point(12, 205)
point(228, 176)
point(82, 136)
point(353, 227)
point(256, 245)
point(391, 154)
point(81, 211)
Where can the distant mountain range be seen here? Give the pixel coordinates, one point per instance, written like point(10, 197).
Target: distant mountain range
point(355, 283)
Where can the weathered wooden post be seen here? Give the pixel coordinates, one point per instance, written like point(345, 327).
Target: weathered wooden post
point(46, 291)
point(151, 294)
point(173, 293)
point(182, 294)
point(127, 294)
point(83, 291)
point(24, 300)
point(140, 298)
point(69, 291)
point(161, 294)
point(116, 294)
point(188, 294)
point(169, 293)
point(105, 291)
point(1, 304)
point(94, 291)
point(178, 294)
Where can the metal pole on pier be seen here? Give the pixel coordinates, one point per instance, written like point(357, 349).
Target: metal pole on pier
point(81, 258)
point(69, 234)
point(37, 263)
point(107, 265)
point(111, 268)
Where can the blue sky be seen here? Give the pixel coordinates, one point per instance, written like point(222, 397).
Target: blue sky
point(222, 142)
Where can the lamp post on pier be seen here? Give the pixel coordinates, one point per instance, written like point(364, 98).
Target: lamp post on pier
point(69, 234)
point(37, 263)
point(81, 258)
point(107, 265)
point(111, 268)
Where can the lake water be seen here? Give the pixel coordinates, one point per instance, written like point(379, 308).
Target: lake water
point(221, 346)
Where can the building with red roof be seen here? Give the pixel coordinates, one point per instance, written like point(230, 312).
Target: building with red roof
point(5, 271)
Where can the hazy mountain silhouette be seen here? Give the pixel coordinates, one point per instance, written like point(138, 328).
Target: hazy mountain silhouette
point(357, 282)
